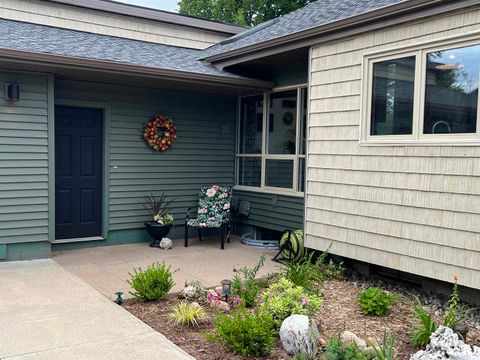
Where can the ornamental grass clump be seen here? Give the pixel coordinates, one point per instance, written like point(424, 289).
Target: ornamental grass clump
point(245, 333)
point(425, 326)
point(153, 283)
point(186, 313)
point(159, 208)
point(385, 350)
point(376, 302)
point(303, 273)
point(283, 299)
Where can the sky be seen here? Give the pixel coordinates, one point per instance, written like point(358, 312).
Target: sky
point(169, 5)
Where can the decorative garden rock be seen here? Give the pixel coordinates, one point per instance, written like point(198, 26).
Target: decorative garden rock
point(166, 244)
point(445, 344)
point(348, 337)
point(194, 291)
point(299, 334)
point(220, 305)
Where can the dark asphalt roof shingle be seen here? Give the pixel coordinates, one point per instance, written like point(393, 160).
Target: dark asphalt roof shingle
point(318, 13)
point(56, 41)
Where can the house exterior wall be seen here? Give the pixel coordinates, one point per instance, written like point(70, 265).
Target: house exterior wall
point(273, 212)
point(76, 18)
point(411, 208)
point(203, 153)
point(24, 211)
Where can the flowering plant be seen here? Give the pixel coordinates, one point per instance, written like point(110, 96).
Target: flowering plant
point(160, 133)
point(214, 298)
point(455, 312)
point(159, 207)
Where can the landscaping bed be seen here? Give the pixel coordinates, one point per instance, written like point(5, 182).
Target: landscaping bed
point(340, 311)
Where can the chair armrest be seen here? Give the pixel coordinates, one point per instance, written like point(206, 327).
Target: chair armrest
point(226, 218)
point(189, 213)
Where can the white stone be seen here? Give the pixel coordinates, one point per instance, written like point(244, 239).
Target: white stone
point(445, 344)
point(194, 291)
point(348, 337)
point(299, 334)
point(166, 244)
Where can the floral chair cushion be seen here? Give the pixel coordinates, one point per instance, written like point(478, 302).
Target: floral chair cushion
point(213, 207)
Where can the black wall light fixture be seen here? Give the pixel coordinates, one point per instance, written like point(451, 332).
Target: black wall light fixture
point(12, 92)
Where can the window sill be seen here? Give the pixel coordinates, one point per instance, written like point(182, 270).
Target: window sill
point(269, 191)
point(456, 142)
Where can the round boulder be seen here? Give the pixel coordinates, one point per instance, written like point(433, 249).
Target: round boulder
point(299, 335)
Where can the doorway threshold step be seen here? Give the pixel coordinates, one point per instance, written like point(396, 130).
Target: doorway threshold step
point(84, 239)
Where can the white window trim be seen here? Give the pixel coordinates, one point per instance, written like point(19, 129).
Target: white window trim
point(417, 138)
point(264, 155)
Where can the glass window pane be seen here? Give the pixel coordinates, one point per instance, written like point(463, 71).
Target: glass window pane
point(282, 122)
point(251, 125)
point(279, 173)
point(392, 97)
point(301, 175)
point(303, 117)
point(249, 171)
point(451, 94)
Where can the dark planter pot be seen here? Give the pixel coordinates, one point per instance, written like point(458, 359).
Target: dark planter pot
point(157, 232)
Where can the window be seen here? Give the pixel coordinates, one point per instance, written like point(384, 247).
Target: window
point(392, 97)
point(451, 92)
point(428, 95)
point(271, 141)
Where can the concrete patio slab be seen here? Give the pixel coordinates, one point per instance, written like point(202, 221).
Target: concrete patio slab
point(46, 312)
point(106, 268)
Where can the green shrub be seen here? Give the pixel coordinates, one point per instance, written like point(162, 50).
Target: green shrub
point(245, 333)
point(245, 285)
point(425, 326)
point(185, 313)
point(375, 301)
point(386, 350)
point(153, 283)
point(336, 351)
point(283, 299)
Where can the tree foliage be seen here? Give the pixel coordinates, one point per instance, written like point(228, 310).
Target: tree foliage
point(243, 12)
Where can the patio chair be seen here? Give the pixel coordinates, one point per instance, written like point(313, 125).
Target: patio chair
point(213, 212)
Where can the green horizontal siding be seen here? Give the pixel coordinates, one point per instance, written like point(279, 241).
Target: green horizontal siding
point(292, 74)
point(203, 153)
point(24, 166)
point(286, 214)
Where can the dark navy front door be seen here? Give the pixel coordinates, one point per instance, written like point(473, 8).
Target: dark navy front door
point(78, 172)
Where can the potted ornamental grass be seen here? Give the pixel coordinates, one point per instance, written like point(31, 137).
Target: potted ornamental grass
point(162, 220)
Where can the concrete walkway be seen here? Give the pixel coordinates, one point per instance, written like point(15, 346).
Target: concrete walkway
point(48, 313)
point(106, 268)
